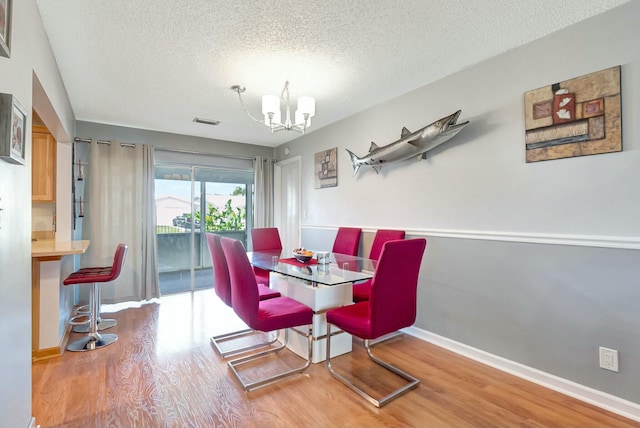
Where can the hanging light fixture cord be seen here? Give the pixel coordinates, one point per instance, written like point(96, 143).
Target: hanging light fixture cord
point(240, 89)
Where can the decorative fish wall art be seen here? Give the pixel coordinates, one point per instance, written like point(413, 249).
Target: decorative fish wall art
point(410, 144)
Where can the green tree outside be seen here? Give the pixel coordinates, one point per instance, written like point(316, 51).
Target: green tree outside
point(225, 219)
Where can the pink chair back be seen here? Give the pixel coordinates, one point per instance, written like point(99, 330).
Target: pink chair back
point(394, 286)
point(265, 238)
point(382, 236)
point(245, 298)
point(118, 261)
point(221, 282)
point(347, 241)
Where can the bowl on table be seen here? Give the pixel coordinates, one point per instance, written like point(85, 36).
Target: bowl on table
point(302, 255)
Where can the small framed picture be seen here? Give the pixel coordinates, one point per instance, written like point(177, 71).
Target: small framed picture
point(5, 28)
point(13, 120)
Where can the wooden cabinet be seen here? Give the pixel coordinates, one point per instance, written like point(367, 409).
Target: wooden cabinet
point(43, 173)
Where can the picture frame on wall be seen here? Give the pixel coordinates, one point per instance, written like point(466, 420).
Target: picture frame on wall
point(5, 28)
point(575, 117)
point(13, 121)
point(326, 168)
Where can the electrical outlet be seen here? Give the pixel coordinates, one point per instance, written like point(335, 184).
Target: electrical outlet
point(609, 359)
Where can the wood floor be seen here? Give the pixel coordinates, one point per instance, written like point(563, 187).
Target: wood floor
point(163, 372)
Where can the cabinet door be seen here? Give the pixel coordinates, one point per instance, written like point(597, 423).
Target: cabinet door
point(43, 173)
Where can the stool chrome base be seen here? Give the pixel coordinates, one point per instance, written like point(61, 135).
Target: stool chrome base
point(90, 343)
point(93, 340)
point(102, 325)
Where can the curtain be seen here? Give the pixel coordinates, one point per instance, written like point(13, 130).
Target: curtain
point(263, 192)
point(120, 208)
point(150, 281)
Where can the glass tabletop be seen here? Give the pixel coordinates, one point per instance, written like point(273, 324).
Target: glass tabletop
point(340, 270)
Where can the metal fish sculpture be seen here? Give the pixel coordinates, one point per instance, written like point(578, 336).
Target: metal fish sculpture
point(410, 144)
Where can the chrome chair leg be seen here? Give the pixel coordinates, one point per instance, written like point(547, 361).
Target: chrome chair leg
point(386, 338)
point(412, 381)
point(249, 386)
point(217, 342)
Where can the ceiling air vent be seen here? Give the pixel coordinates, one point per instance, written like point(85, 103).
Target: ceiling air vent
point(206, 121)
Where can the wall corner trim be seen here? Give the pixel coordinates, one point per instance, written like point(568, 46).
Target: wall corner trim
point(600, 241)
point(606, 401)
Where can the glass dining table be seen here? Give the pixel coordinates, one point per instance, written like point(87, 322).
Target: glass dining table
point(341, 269)
point(321, 286)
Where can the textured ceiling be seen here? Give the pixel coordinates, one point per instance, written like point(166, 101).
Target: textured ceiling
point(157, 64)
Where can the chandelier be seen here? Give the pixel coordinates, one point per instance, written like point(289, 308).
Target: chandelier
point(273, 115)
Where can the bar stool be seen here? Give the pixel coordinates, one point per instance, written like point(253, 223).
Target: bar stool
point(95, 276)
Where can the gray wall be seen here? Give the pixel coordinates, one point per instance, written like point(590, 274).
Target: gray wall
point(166, 140)
point(30, 74)
point(537, 263)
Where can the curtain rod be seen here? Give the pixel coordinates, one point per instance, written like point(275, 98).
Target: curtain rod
point(203, 153)
point(107, 142)
point(89, 140)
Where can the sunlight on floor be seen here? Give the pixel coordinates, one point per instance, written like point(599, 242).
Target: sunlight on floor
point(187, 319)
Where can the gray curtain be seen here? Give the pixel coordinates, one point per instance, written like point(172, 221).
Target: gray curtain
point(120, 208)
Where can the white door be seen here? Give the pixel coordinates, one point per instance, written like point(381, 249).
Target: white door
point(288, 201)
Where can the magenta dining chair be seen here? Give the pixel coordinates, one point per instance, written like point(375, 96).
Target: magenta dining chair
point(222, 287)
point(362, 290)
point(265, 239)
point(269, 315)
point(391, 306)
point(347, 241)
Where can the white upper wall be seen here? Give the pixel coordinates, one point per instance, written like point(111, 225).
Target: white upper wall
point(479, 180)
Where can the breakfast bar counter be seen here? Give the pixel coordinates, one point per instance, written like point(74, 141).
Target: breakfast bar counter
point(49, 313)
point(47, 248)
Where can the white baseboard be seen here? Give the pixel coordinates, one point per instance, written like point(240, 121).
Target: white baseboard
point(609, 402)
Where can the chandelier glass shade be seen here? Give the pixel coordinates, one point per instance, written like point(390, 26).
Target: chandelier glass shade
point(272, 111)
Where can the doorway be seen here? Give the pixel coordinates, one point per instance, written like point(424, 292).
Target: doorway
point(288, 201)
point(191, 201)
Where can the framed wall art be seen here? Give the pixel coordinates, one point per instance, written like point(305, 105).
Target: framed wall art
point(326, 168)
point(5, 28)
point(577, 117)
point(13, 120)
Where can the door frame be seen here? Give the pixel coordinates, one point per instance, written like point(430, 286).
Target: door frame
point(287, 205)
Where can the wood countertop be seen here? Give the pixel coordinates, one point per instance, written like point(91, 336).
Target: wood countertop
point(54, 248)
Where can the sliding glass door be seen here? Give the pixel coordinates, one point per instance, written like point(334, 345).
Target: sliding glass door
point(190, 201)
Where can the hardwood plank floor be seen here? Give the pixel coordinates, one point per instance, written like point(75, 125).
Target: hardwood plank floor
point(163, 372)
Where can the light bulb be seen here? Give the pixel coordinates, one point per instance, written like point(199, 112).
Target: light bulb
point(307, 105)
